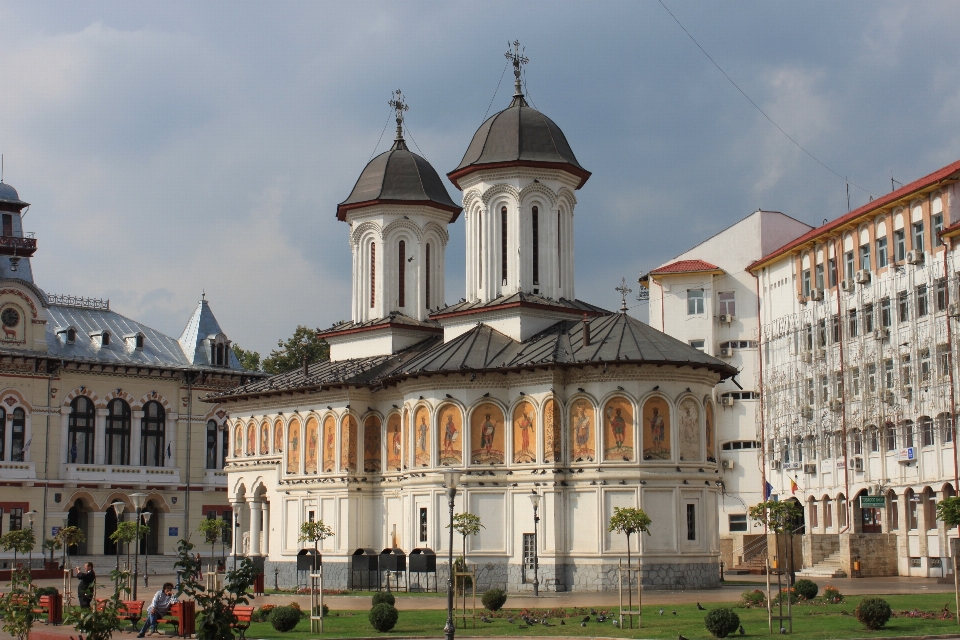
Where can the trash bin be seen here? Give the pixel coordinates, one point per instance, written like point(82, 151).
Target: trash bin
point(364, 569)
point(423, 562)
point(308, 560)
point(394, 561)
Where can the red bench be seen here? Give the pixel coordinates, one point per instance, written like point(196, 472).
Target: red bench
point(131, 610)
point(183, 615)
point(244, 616)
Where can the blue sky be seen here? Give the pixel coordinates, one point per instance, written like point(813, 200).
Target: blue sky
point(169, 148)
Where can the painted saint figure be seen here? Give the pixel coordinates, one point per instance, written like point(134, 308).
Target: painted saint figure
point(488, 429)
point(450, 434)
point(619, 429)
point(422, 434)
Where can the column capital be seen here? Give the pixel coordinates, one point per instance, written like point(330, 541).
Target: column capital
point(103, 413)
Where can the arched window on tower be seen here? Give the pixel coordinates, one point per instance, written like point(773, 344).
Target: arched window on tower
point(479, 248)
point(80, 431)
point(3, 433)
point(401, 297)
point(536, 245)
point(503, 245)
point(118, 432)
point(559, 252)
point(153, 434)
point(427, 272)
point(373, 274)
point(19, 436)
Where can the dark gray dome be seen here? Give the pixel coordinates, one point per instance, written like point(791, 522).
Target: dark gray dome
point(518, 136)
point(399, 176)
point(9, 196)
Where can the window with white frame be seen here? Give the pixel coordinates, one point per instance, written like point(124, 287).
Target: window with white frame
point(694, 302)
point(728, 303)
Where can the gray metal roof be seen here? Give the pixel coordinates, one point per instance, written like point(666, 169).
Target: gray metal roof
point(393, 319)
point(398, 175)
point(202, 326)
point(519, 133)
point(8, 195)
point(614, 338)
point(524, 299)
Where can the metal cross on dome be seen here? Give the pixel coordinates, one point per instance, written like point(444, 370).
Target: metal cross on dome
point(399, 104)
point(623, 290)
point(518, 59)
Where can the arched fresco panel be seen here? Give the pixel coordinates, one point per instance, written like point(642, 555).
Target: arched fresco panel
point(618, 430)
point(656, 429)
point(689, 419)
point(551, 428)
point(582, 431)
point(486, 434)
point(709, 428)
point(251, 439)
point(394, 442)
point(371, 444)
point(329, 444)
point(313, 446)
point(278, 436)
point(524, 433)
point(293, 447)
point(450, 420)
point(238, 441)
point(421, 426)
point(348, 445)
point(264, 438)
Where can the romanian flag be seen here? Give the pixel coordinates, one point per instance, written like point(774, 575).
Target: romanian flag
point(793, 487)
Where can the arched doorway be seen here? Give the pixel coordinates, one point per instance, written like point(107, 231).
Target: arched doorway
point(109, 526)
point(798, 526)
point(151, 544)
point(868, 514)
point(77, 517)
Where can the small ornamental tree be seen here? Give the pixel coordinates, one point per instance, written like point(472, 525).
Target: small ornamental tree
point(69, 537)
point(126, 533)
point(51, 545)
point(778, 516)
point(629, 520)
point(466, 524)
point(948, 512)
point(19, 604)
point(314, 531)
point(20, 541)
point(101, 621)
point(213, 529)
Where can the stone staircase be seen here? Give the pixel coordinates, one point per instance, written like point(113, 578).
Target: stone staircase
point(158, 565)
point(829, 567)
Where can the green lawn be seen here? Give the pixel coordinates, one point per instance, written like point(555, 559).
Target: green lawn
point(812, 621)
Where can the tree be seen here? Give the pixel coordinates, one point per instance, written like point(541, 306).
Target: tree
point(289, 356)
point(213, 529)
point(249, 360)
point(466, 524)
point(100, 622)
point(629, 520)
point(69, 537)
point(778, 516)
point(20, 541)
point(314, 531)
point(51, 545)
point(948, 512)
point(20, 603)
point(126, 532)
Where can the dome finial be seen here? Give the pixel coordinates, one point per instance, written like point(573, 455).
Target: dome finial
point(519, 59)
point(398, 102)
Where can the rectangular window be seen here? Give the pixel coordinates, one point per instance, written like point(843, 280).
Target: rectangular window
point(888, 374)
point(822, 333)
point(941, 288)
point(912, 520)
point(835, 329)
point(906, 375)
point(738, 522)
point(7, 225)
point(886, 318)
point(852, 323)
point(819, 277)
point(536, 245)
point(926, 368)
point(894, 513)
point(832, 270)
point(810, 398)
point(808, 337)
point(900, 244)
point(814, 522)
point(16, 519)
point(891, 438)
point(857, 443)
point(423, 524)
point(691, 522)
point(871, 378)
point(903, 306)
point(918, 236)
point(926, 433)
point(694, 301)
point(874, 440)
point(937, 228)
point(943, 360)
point(698, 344)
point(828, 513)
point(865, 257)
point(728, 303)
point(881, 252)
point(908, 435)
point(848, 265)
point(805, 283)
point(867, 319)
point(855, 380)
point(503, 245)
point(922, 306)
point(824, 388)
point(838, 385)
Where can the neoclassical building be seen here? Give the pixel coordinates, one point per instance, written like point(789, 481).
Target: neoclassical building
point(520, 385)
point(95, 406)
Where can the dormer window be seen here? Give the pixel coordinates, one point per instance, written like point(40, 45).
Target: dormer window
point(101, 337)
point(136, 339)
point(69, 334)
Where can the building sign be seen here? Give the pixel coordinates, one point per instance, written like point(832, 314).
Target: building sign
point(907, 454)
point(174, 531)
point(873, 502)
point(54, 531)
point(841, 464)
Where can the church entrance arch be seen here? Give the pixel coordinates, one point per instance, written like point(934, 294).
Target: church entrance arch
point(109, 526)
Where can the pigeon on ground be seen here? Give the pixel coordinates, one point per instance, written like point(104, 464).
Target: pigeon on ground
point(583, 624)
point(511, 619)
point(661, 610)
point(616, 623)
point(562, 622)
point(586, 618)
point(485, 619)
point(674, 613)
point(700, 607)
point(593, 612)
point(783, 630)
point(682, 637)
point(742, 632)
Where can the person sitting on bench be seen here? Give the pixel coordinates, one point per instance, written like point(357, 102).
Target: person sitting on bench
point(158, 608)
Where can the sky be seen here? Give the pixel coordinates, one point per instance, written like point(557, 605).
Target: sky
point(170, 149)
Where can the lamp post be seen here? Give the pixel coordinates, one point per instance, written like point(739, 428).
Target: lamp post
point(118, 511)
point(535, 501)
point(30, 516)
point(138, 500)
point(236, 532)
point(451, 479)
point(146, 515)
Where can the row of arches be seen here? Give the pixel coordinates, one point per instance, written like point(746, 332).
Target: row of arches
point(617, 430)
point(83, 508)
point(909, 510)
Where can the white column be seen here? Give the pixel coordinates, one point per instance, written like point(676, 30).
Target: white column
point(237, 531)
point(136, 424)
point(470, 254)
point(8, 437)
point(64, 435)
point(172, 420)
point(100, 437)
point(255, 511)
point(266, 529)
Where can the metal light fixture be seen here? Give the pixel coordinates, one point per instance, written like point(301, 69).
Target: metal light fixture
point(118, 511)
point(146, 515)
point(535, 501)
point(30, 515)
point(139, 499)
point(451, 478)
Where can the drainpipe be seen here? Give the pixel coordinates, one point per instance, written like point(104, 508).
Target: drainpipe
point(953, 402)
point(46, 459)
point(843, 407)
point(763, 440)
point(186, 499)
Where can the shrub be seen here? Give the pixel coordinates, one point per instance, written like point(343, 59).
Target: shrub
point(832, 594)
point(383, 617)
point(384, 596)
point(295, 604)
point(284, 619)
point(806, 588)
point(722, 622)
point(755, 598)
point(785, 595)
point(47, 591)
point(326, 611)
point(873, 613)
point(494, 599)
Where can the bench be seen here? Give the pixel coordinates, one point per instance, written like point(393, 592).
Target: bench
point(182, 615)
point(131, 610)
point(244, 616)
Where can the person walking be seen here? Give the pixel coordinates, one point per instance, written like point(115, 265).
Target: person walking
point(159, 607)
point(85, 587)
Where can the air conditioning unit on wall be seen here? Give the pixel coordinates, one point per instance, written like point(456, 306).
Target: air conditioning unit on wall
point(862, 276)
point(816, 294)
point(914, 257)
point(726, 464)
point(726, 401)
point(848, 286)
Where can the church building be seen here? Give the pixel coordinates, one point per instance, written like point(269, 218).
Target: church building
point(521, 386)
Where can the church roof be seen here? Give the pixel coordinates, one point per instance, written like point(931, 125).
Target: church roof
point(395, 319)
point(518, 136)
point(519, 299)
point(9, 196)
point(616, 338)
point(399, 176)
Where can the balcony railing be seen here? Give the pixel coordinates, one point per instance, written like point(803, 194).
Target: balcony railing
point(19, 246)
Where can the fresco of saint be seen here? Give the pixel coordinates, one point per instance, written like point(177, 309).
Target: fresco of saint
point(251, 439)
point(394, 442)
point(486, 435)
point(422, 437)
point(293, 447)
point(407, 451)
point(689, 414)
point(583, 438)
point(524, 433)
point(278, 436)
point(348, 444)
point(656, 429)
point(551, 423)
point(618, 430)
point(264, 439)
point(451, 425)
point(329, 444)
point(708, 413)
point(238, 442)
point(313, 446)
point(371, 445)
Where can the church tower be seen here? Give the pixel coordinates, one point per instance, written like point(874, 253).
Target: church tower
point(518, 179)
point(398, 214)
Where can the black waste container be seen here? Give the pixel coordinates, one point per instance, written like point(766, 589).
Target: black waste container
point(308, 560)
point(423, 561)
point(364, 568)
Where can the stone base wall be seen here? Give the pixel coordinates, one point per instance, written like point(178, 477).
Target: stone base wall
point(877, 553)
point(817, 546)
point(564, 577)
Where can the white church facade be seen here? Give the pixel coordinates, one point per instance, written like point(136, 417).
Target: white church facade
point(520, 385)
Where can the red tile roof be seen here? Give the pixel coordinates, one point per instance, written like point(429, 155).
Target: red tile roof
point(893, 196)
point(685, 266)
